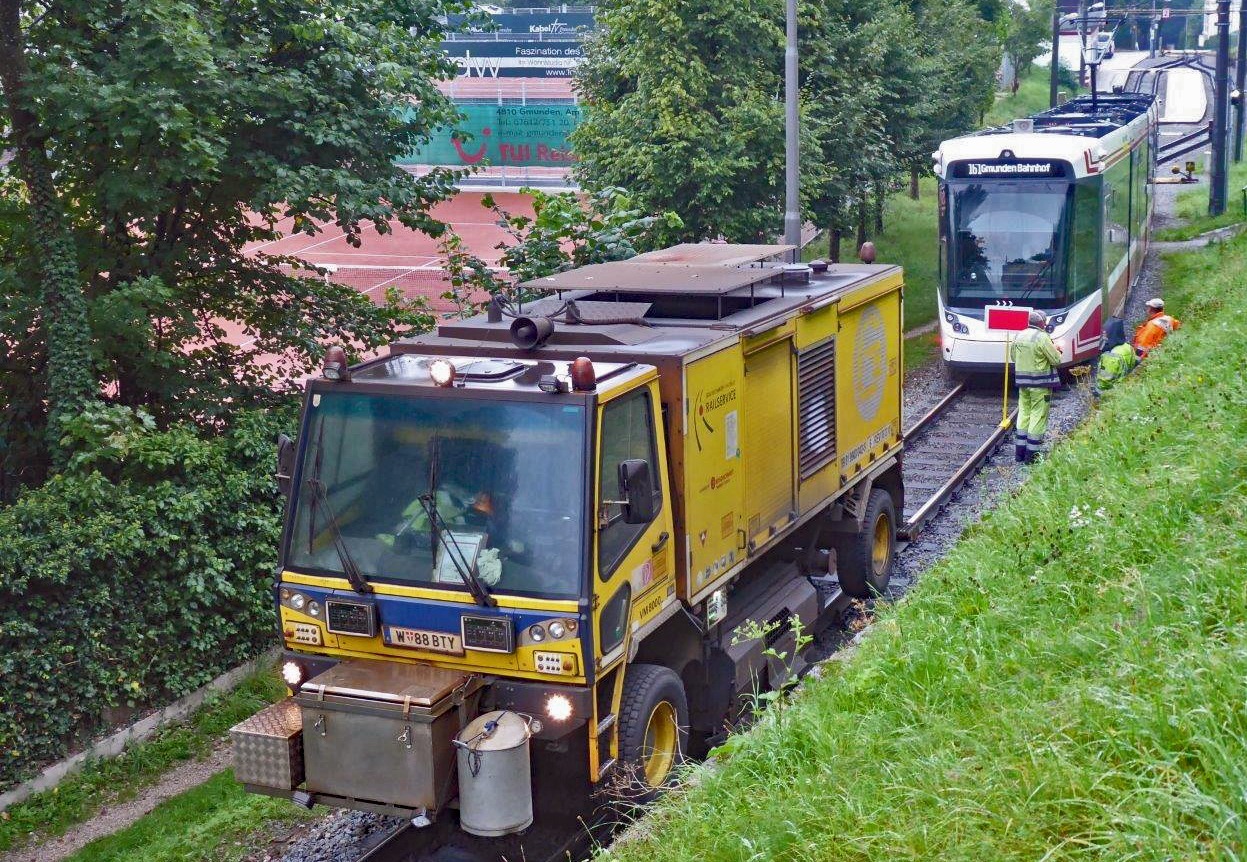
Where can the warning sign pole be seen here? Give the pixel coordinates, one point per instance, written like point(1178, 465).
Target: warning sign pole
point(1004, 407)
point(1009, 319)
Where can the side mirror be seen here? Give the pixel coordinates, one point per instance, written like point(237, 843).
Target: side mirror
point(637, 488)
point(285, 464)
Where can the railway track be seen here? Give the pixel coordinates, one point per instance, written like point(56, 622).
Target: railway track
point(562, 841)
point(945, 448)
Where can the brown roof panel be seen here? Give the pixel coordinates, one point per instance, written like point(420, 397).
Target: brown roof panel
point(712, 254)
point(625, 276)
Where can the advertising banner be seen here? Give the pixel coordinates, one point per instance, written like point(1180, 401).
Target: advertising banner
point(521, 135)
point(533, 22)
point(527, 43)
point(515, 59)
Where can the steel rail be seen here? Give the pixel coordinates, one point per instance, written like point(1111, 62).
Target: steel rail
point(406, 843)
point(392, 847)
point(928, 509)
point(931, 415)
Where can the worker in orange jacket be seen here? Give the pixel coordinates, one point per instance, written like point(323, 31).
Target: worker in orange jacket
point(1158, 325)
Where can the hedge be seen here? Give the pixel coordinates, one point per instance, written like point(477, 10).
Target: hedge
point(134, 577)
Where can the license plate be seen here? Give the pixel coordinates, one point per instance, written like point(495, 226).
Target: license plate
point(421, 639)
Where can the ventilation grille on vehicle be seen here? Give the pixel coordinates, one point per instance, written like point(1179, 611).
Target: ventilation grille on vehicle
point(816, 406)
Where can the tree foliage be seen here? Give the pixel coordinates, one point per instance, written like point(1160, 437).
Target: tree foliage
point(566, 230)
point(1027, 28)
point(682, 112)
point(181, 135)
point(684, 102)
point(134, 576)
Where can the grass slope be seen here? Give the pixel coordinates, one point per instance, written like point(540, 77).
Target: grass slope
point(80, 797)
point(1191, 207)
point(1031, 98)
point(1067, 683)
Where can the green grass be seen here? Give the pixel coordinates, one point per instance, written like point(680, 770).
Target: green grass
point(1191, 207)
point(216, 821)
point(910, 240)
point(1068, 683)
point(921, 350)
point(101, 782)
point(1031, 98)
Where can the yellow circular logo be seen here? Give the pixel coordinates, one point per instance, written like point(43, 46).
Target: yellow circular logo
point(870, 363)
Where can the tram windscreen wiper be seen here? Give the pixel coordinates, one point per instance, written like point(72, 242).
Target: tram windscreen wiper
point(320, 500)
point(466, 570)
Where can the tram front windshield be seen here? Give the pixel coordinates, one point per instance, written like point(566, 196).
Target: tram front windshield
point(415, 488)
point(1009, 242)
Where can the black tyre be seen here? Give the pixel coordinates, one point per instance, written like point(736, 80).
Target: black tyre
point(864, 559)
point(653, 730)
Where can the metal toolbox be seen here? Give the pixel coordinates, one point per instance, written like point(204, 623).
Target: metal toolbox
point(268, 747)
point(381, 731)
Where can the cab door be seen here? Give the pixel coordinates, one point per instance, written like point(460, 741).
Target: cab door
point(634, 563)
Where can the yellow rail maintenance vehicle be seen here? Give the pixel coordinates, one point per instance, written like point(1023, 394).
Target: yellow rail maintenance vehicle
point(517, 549)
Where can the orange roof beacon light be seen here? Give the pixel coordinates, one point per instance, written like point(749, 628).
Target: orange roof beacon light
point(584, 377)
point(867, 253)
point(336, 367)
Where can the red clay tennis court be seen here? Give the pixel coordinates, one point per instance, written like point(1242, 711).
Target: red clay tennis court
point(405, 259)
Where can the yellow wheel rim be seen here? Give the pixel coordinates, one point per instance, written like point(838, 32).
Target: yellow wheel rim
point(881, 547)
point(662, 746)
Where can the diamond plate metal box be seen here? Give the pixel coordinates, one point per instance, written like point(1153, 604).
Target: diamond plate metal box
point(268, 747)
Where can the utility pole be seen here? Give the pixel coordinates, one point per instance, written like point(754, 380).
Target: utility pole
point(792, 153)
point(1082, 41)
point(1217, 192)
point(1055, 65)
point(1240, 83)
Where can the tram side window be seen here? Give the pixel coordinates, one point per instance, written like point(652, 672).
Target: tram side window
point(1116, 218)
point(1084, 271)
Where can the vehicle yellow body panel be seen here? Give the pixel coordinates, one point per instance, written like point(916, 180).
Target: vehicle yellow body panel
point(741, 478)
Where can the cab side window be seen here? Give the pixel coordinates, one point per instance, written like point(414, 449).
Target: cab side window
point(627, 433)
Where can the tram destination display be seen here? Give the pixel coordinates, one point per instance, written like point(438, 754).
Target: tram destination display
point(1009, 169)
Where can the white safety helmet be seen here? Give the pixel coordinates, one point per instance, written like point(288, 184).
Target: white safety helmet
point(1155, 303)
point(1038, 318)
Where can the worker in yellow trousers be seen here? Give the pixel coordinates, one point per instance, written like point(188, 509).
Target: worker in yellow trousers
point(1035, 360)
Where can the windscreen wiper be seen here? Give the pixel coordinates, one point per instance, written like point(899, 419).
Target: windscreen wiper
point(455, 554)
point(320, 499)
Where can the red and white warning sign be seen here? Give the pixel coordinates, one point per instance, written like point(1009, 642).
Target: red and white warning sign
point(1007, 318)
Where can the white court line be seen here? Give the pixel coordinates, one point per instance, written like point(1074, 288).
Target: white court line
point(346, 254)
point(384, 283)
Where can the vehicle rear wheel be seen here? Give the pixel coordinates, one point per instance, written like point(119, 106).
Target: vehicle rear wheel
point(864, 559)
point(653, 729)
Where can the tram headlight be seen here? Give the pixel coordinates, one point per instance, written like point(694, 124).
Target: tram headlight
point(960, 328)
point(950, 317)
point(559, 707)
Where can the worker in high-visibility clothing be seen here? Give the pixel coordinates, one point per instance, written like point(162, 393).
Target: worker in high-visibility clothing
point(1156, 328)
point(1035, 360)
point(1117, 357)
